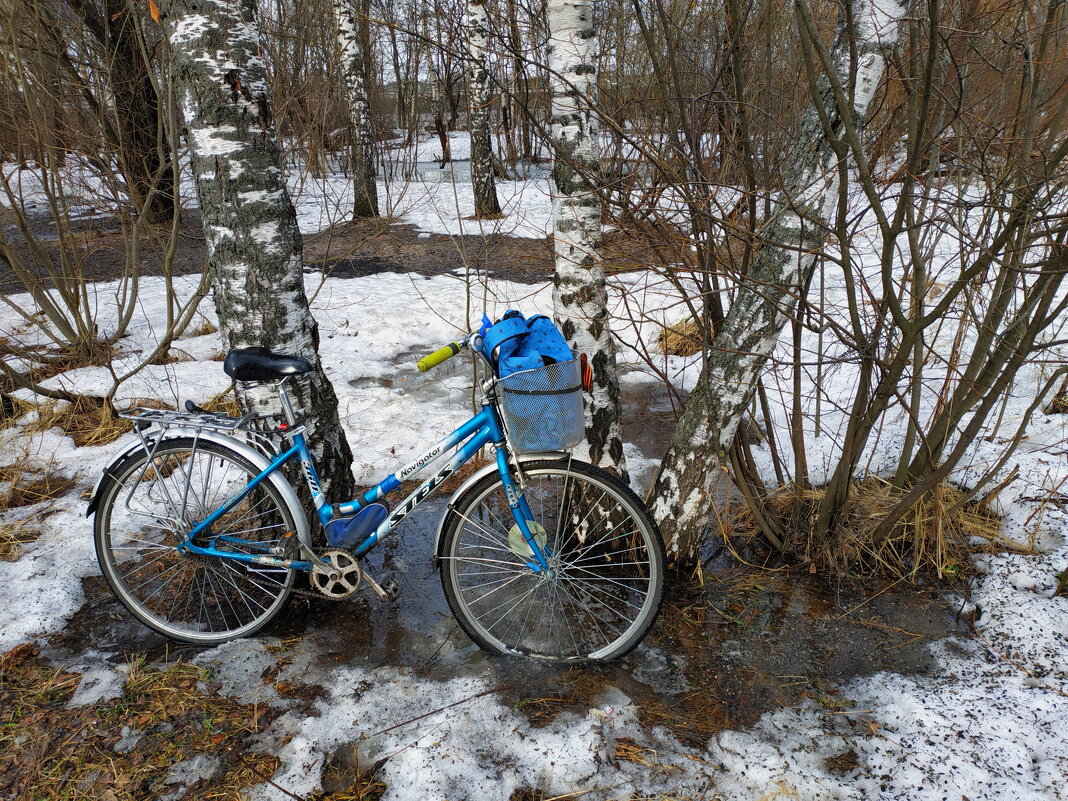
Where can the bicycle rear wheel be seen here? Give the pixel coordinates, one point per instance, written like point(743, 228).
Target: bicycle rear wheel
point(606, 558)
point(147, 505)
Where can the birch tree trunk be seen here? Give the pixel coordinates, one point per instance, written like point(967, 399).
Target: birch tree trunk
point(353, 64)
point(682, 493)
point(254, 245)
point(580, 297)
point(478, 101)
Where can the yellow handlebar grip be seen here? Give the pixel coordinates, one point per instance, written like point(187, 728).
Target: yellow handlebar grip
point(438, 356)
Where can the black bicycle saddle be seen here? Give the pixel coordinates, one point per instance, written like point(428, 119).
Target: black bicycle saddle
point(260, 364)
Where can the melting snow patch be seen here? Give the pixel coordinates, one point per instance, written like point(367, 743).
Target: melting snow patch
point(100, 681)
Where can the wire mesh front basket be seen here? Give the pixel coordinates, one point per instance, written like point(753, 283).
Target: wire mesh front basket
point(543, 407)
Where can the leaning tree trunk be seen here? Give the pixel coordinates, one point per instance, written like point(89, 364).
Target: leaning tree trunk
point(254, 245)
point(580, 297)
point(683, 491)
point(478, 99)
point(353, 64)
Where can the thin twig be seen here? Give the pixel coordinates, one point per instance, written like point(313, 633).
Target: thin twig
point(447, 706)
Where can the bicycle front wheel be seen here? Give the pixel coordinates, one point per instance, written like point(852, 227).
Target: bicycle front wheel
point(606, 558)
point(149, 502)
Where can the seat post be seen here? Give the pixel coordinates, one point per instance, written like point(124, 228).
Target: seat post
point(287, 405)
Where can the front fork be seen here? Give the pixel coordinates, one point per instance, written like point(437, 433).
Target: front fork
point(517, 502)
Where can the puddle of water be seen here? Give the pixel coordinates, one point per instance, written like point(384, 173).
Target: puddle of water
point(648, 417)
point(416, 631)
point(718, 657)
point(372, 381)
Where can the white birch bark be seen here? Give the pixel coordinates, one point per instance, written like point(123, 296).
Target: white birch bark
point(683, 491)
point(365, 201)
point(478, 100)
point(254, 245)
point(580, 297)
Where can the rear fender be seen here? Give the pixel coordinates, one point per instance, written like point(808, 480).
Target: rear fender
point(255, 457)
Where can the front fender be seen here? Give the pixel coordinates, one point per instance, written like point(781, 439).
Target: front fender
point(477, 476)
point(255, 457)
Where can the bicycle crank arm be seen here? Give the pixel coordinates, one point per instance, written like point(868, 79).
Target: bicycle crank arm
point(319, 562)
point(388, 591)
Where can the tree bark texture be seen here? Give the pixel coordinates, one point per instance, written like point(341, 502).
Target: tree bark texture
point(580, 297)
point(254, 244)
point(478, 100)
point(353, 65)
point(683, 490)
point(143, 150)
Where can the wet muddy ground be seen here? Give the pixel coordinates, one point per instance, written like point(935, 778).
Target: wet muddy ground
point(729, 645)
point(347, 250)
point(721, 654)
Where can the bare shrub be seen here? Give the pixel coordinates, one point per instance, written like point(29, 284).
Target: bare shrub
point(934, 538)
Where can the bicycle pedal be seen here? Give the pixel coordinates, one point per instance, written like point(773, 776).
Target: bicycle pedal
point(388, 590)
point(391, 588)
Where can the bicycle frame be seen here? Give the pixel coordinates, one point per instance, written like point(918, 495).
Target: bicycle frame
point(483, 429)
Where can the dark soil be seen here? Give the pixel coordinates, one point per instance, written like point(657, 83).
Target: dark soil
point(369, 247)
point(350, 250)
point(98, 249)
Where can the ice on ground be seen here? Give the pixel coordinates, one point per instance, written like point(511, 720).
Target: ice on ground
point(450, 739)
point(975, 728)
point(43, 588)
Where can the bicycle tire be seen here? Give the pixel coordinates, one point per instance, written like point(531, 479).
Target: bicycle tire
point(607, 558)
point(197, 599)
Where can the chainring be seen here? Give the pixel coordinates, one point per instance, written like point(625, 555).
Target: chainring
point(348, 579)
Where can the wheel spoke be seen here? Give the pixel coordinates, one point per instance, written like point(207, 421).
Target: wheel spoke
point(205, 599)
point(588, 603)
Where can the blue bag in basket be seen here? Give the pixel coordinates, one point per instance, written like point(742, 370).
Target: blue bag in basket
point(515, 343)
point(541, 382)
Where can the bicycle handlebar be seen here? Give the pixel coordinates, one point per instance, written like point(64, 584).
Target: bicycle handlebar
point(440, 355)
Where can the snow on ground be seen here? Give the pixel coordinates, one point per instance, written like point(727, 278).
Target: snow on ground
point(991, 722)
point(412, 188)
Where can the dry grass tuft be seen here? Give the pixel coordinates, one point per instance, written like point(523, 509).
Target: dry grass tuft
point(11, 409)
point(223, 403)
point(87, 354)
point(540, 712)
point(931, 539)
point(170, 356)
point(88, 422)
point(1062, 584)
point(28, 481)
point(1059, 404)
point(205, 328)
point(682, 339)
point(85, 420)
point(13, 536)
point(630, 751)
point(345, 779)
point(50, 751)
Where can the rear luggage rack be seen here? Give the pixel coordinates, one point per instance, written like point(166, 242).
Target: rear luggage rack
point(258, 429)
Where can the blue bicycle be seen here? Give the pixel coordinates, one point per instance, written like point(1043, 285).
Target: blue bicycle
point(202, 538)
